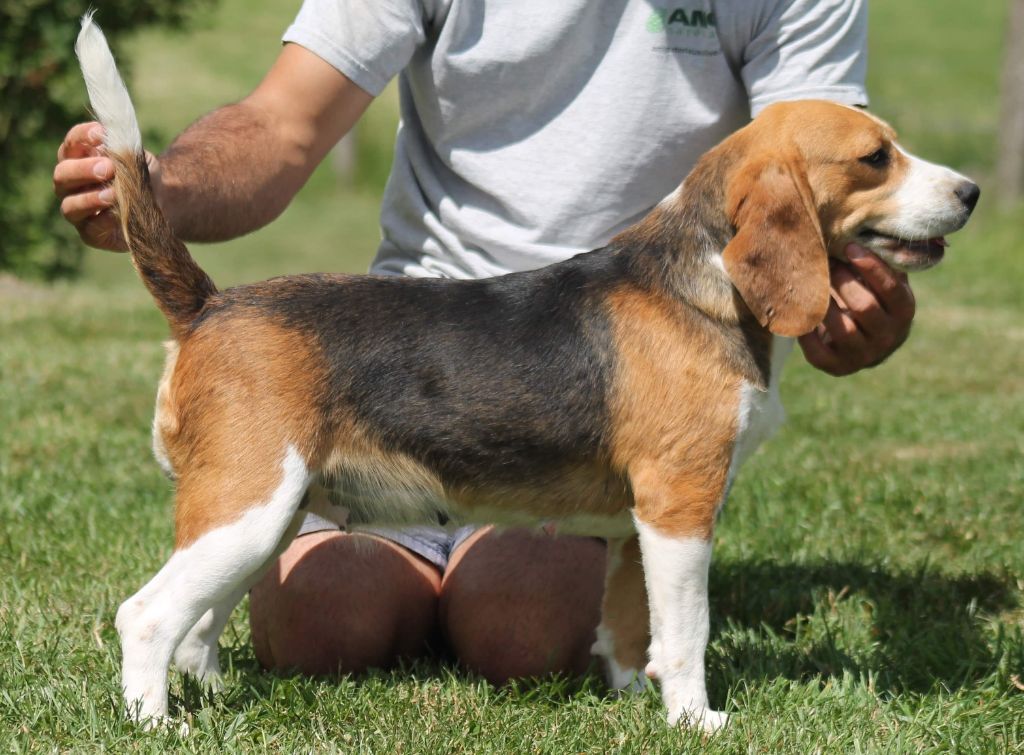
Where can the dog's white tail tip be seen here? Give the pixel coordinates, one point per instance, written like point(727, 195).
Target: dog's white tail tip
point(107, 92)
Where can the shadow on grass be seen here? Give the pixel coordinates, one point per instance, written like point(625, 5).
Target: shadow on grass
point(907, 631)
point(258, 683)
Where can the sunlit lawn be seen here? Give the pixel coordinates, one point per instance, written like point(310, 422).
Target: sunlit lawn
point(867, 585)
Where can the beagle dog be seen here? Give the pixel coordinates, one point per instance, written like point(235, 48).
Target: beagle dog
point(616, 393)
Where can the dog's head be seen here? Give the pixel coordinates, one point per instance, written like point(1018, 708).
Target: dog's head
point(805, 179)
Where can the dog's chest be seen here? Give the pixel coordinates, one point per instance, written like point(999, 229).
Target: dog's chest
point(760, 413)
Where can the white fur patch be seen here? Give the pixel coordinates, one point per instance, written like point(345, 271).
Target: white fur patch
point(107, 93)
point(205, 576)
point(760, 412)
point(673, 196)
point(676, 573)
point(927, 205)
point(164, 420)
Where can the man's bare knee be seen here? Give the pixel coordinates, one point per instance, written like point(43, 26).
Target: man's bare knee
point(343, 603)
point(519, 604)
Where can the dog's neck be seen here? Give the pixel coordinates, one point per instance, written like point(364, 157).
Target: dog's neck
point(676, 250)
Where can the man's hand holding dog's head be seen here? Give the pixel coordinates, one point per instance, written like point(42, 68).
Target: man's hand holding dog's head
point(869, 316)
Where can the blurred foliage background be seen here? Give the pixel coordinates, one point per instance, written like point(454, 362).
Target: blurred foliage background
point(41, 93)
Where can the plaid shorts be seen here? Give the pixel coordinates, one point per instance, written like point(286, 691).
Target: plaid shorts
point(435, 544)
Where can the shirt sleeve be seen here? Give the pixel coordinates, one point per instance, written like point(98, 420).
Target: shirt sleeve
point(808, 49)
point(369, 41)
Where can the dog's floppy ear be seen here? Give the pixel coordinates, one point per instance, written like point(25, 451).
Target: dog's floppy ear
point(777, 259)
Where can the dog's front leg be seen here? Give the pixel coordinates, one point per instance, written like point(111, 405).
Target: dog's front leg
point(623, 633)
point(676, 573)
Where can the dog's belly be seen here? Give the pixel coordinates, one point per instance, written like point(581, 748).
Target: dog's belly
point(595, 525)
point(381, 489)
point(584, 499)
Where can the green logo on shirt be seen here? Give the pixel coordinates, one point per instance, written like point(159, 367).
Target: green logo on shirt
point(681, 21)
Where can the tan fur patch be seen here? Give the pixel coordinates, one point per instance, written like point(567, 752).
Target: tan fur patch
point(624, 610)
point(591, 490)
point(238, 394)
point(392, 487)
point(674, 409)
point(396, 488)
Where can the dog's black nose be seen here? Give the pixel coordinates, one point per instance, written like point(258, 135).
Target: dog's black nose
point(968, 193)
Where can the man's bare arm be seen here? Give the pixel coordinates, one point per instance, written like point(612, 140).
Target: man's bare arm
point(233, 170)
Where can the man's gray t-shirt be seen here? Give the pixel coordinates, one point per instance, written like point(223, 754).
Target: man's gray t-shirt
point(534, 130)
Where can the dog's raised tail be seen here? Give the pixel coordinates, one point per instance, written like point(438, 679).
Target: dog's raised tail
point(178, 284)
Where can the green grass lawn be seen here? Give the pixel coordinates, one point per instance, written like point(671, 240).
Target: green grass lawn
point(868, 579)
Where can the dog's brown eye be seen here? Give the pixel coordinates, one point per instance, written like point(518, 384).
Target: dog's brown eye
point(877, 159)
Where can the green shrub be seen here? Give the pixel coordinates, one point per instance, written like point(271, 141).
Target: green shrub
point(41, 96)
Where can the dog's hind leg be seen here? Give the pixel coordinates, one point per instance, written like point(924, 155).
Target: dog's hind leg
point(223, 542)
point(197, 653)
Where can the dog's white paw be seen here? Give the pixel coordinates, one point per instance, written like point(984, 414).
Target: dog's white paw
point(166, 723)
point(198, 658)
point(624, 679)
point(213, 681)
point(706, 719)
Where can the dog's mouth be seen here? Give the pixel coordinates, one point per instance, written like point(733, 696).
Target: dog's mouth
point(905, 254)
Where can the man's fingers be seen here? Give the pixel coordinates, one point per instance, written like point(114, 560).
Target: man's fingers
point(820, 354)
point(860, 301)
point(83, 140)
point(869, 316)
point(78, 207)
point(78, 180)
point(890, 286)
point(102, 231)
point(845, 340)
point(71, 176)
point(842, 329)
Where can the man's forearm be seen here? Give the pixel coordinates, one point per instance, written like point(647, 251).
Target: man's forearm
point(227, 174)
point(230, 172)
